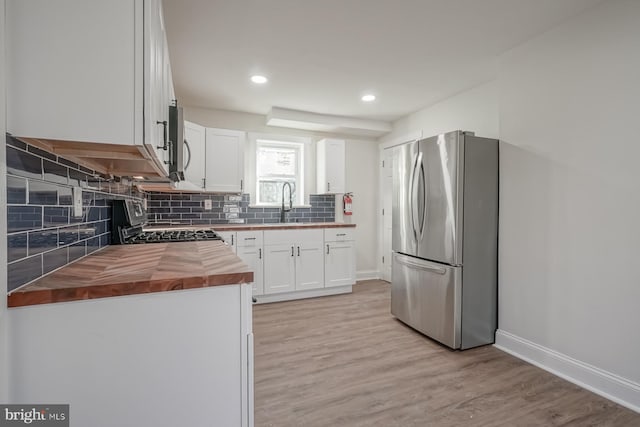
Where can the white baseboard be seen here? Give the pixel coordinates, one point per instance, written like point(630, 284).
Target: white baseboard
point(603, 383)
point(310, 293)
point(367, 274)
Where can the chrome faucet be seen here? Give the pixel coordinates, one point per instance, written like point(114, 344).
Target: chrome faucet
point(283, 209)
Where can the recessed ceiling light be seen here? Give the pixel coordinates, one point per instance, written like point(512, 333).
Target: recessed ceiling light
point(369, 98)
point(259, 79)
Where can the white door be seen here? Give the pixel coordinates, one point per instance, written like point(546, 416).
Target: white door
point(224, 160)
point(252, 256)
point(279, 268)
point(340, 264)
point(309, 265)
point(194, 155)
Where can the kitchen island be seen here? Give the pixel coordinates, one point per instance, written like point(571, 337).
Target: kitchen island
point(139, 335)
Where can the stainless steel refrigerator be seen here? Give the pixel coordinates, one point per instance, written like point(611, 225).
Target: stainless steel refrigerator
point(445, 238)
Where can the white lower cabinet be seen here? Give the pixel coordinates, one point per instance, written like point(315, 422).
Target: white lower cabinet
point(249, 249)
point(339, 257)
point(293, 260)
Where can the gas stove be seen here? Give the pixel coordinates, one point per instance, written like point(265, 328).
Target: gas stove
point(130, 218)
point(164, 236)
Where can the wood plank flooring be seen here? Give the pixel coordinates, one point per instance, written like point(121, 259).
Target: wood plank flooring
point(345, 361)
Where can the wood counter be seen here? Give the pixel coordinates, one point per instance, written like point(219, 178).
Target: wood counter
point(136, 269)
point(279, 226)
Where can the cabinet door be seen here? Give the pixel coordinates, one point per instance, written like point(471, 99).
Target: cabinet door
point(229, 238)
point(224, 160)
point(279, 268)
point(155, 83)
point(340, 264)
point(309, 265)
point(252, 256)
point(331, 166)
point(194, 137)
point(78, 77)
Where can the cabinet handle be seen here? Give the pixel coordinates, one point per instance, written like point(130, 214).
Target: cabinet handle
point(249, 238)
point(232, 240)
point(165, 146)
point(328, 186)
point(341, 234)
point(327, 249)
point(292, 251)
point(241, 184)
point(259, 253)
point(204, 183)
point(298, 250)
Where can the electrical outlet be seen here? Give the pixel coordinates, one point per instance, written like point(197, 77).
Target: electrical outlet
point(77, 202)
point(208, 205)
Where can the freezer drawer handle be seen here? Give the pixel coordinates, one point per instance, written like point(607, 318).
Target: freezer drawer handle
point(421, 267)
point(249, 238)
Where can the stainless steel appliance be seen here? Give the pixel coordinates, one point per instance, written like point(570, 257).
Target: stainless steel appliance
point(129, 219)
point(444, 238)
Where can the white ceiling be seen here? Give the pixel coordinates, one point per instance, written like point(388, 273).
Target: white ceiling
point(321, 56)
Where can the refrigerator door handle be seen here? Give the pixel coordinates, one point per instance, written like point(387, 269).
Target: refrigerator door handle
point(408, 263)
point(421, 177)
point(414, 194)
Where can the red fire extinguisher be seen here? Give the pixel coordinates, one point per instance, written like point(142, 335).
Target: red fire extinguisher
point(348, 199)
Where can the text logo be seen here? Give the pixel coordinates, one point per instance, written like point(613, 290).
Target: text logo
point(34, 415)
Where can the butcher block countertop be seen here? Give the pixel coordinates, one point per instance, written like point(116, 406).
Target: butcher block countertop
point(252, 227)
point(137, 269)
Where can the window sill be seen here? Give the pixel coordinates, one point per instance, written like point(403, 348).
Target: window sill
point(279, 205)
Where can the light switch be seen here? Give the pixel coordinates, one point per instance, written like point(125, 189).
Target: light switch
point(77, 202)
point(207, 205)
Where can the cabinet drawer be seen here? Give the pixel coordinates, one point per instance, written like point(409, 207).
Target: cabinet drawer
point(249, 238)
point(277, 237)
point(338, 234)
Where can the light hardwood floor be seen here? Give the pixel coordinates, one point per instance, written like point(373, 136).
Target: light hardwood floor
point(345, 361)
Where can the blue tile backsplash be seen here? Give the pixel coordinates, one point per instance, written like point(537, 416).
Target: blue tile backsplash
point(43, 235)
point(188, 208)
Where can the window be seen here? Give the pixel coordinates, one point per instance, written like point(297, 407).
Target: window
point(277, 163)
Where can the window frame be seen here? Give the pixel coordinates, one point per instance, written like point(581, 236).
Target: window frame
point(299, 148)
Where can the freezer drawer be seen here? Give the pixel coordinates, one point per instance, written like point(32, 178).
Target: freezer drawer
point(427, 296)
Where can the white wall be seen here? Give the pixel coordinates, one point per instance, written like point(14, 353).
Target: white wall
point(4, 363)
point(570, 190)
point(474, 110)
point(361, 176)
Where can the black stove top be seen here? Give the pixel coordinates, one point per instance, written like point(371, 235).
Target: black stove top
point(165, 236)
point(129, 219)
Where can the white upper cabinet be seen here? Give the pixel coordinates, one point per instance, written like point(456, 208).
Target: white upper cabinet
point(331, 166)
point(194, 155)
point(89, 71)
point(224, 160)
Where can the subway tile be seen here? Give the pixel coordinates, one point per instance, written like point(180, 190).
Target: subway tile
point(105, 240)
point(54, 172)
point(77, 250)
point(100, 199)
point(55, 216)
point(77, 178)
point(23, 164)
point(93, 245)
point(86, 170)
point(191, 204)
point(65, 195)
point(16, 190)
point(87, 198)
point(93, 214)
point(41, 241)
point(23, 271)
point(68, 235)
point(42, 153)
point(20, 218)
point(86, 231)
point(42, 193)
point(14, 142)
point(54, 259)
point(16, 246)
point(69, 163)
